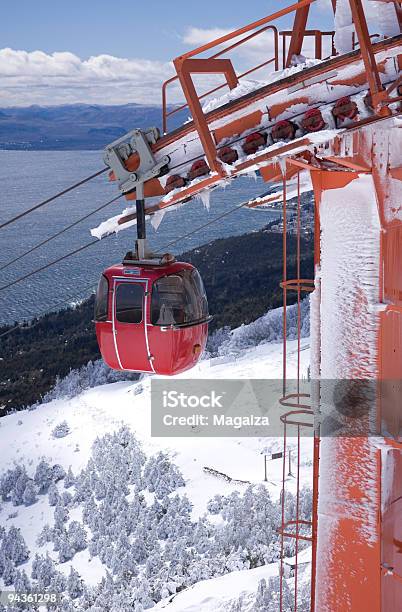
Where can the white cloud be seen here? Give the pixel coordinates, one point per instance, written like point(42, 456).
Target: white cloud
point(62, 77)
point(199, 36)
point(255, 51)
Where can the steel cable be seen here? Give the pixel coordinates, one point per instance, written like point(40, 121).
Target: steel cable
point(65, 229)
point(51, 263)
point(54, 197)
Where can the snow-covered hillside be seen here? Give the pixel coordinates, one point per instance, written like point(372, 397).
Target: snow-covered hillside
point(168, 520)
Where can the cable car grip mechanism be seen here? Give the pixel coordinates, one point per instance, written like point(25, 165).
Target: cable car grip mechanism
point(115, 157)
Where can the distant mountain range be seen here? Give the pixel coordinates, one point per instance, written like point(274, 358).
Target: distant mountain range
point(74, 126)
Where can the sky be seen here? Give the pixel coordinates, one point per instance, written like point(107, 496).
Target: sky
point(98, 51)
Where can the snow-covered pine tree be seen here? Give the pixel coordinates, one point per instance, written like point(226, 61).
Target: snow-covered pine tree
point(8, 480)
point(90, 514)
point(61, 430)
point(14, 547)
point(29, 497)
point(43, 568)
point(43, 476)
point(57, 583)
point(58, 472)
point(8, 572)
point(53, 494)
point(2, 562)
point(22, 583)
point(45, 536)
point(66, 551)
point(75, 584)
point(77, 536)
point(17, 494)
point(35, 566)
point(69, 479)
point(161, 476)
point(66, 499)
point(61, 515)
point(141, 593)
point(263, 598)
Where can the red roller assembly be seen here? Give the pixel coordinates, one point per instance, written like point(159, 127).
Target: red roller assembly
point(199, 168)
point(313, 121)
point(283, 130)
point(175, 181)
point(345, 108)
point(253, 142)
point(228, 155)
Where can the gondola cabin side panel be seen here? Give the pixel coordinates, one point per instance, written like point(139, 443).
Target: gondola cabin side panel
point(176, 350)
point(104, 323)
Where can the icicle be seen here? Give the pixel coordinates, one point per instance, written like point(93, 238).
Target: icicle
point(282, 165)
point(205, 197)
point(156, 219)
point(251, 174)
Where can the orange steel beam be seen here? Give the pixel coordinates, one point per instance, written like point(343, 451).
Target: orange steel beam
point(318, 45)
point(373, 77)
point(234, 45)
point(305, 163)
point(239, 104)
point(185, 68)
point(354, 163)
point(347, 565)
point(299, 27)
point(356, 562)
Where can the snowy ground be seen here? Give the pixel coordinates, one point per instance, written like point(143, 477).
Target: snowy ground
point(205, 594)
point(26, 437)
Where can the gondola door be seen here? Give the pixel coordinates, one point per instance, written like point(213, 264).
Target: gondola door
point(129, 324)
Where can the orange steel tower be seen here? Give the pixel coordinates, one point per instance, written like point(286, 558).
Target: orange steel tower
point(358, 310)
point(337, 120)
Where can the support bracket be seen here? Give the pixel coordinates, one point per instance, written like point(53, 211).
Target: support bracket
point(137, 141)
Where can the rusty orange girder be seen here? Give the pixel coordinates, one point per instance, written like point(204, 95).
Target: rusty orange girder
point(360, 568)
point(297, 36)
point(212, 138)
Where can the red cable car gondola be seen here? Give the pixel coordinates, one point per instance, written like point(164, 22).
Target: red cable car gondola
point(151, 312)
point(151, 318)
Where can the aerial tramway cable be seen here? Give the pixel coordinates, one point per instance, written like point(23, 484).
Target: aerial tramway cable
point(85, 246)
point(211, 222)
point(54, 197)
point(51, 263)
point(65, 229)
